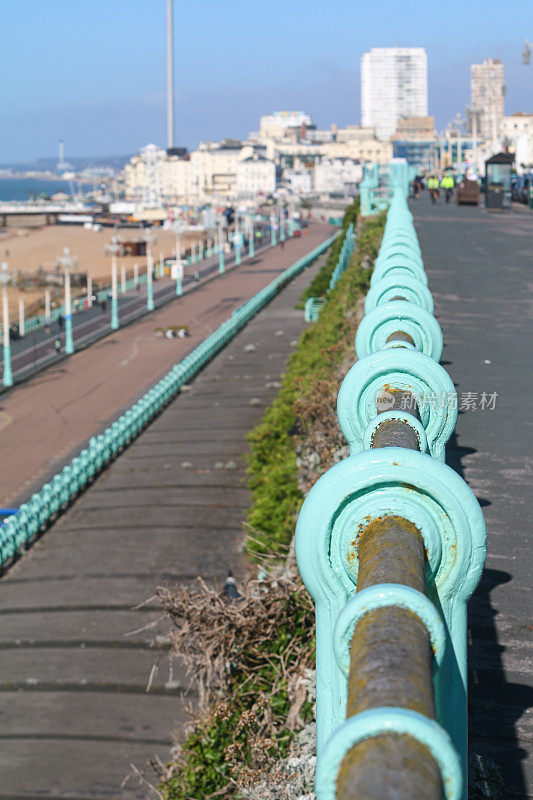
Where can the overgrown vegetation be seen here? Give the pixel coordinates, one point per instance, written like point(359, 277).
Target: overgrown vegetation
point(252, 658)
point(308, 389)
point(320, 283)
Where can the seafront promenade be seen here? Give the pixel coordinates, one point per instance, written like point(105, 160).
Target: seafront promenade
point(35, 351)
point(479, 270)
point(45, 421)
point(77, 649)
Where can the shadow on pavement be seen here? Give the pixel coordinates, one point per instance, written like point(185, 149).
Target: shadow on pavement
point(495, 704)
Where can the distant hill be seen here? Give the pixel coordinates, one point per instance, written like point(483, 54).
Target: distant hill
point(79, 163)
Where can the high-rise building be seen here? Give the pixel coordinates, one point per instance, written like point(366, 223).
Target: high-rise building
point(394, 84)
point(487, 97)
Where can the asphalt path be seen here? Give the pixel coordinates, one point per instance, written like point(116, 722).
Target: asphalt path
point(479, 270)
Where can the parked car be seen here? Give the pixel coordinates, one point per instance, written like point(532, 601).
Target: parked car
point(520, 187)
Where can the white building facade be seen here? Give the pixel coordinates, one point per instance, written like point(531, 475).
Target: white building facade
point(394, 84)
point(487, 97)
point(517, 134)
point(255, 176)
point(337, 176)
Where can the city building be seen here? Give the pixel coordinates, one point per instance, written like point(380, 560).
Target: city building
point(415, 140)
point(284, 124)
point(359, 144)
point(409, 128)
point(215, 166)
point(517, 136)
point(298, 181)
point(394, 84)
point(255, 175)
point(338, 176)
point(284, 153)
point(487, 98)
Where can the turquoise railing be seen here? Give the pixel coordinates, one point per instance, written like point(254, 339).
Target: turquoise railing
point(19, 530)
point(391, 544)
point(314, 304)
point(79, 303)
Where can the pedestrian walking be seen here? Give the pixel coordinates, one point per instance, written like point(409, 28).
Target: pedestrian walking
point(57, 343)
point(60, 322)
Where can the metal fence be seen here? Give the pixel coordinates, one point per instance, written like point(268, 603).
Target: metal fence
point(314, 304)
point(391, 544)
point(32, 518)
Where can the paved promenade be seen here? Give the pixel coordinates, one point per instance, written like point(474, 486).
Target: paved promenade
point(77, 652)
point(36, 350)
point(47, 420)
point(479, 268)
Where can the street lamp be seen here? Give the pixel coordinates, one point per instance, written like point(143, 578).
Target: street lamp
point(4, 278)
point(149, 238)
point(220, 224)
point(458, 123)
point(178, 228)
point(251, 234)
point(273, 241)
point(66, 262)
point(237, 240)
point(113, 248)
point(291, 218)
point(473, 113)
point(281, 222)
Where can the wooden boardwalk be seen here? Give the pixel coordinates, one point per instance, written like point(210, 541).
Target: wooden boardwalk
point(76, 654)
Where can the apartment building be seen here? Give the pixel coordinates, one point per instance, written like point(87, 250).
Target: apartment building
point(394, 84)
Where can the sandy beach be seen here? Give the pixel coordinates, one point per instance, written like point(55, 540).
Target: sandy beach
point(28, 250)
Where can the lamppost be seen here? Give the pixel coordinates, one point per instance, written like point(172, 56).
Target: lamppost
point(251, 234)
point(291, 218)
point(178, 229)
point(473, 113)
point(458, 123)
point(237, 240)
point(113, 248)
point(273, 241)
point(220, 224)
point(149, 238)
point(66, 262)
point(22, 321)
point(47, 307)
point(8, 375)
point(281, 222)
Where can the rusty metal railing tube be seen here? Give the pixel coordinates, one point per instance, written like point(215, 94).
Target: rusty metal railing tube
point(400, 336)
point(390, 543)
point(386, 640)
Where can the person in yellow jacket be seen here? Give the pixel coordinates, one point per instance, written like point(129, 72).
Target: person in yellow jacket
point(433, 186)
point(447, 184)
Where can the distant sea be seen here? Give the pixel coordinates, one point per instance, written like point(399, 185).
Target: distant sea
point(27, 188)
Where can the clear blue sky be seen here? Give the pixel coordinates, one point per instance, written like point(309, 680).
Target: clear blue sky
point(93, 71)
